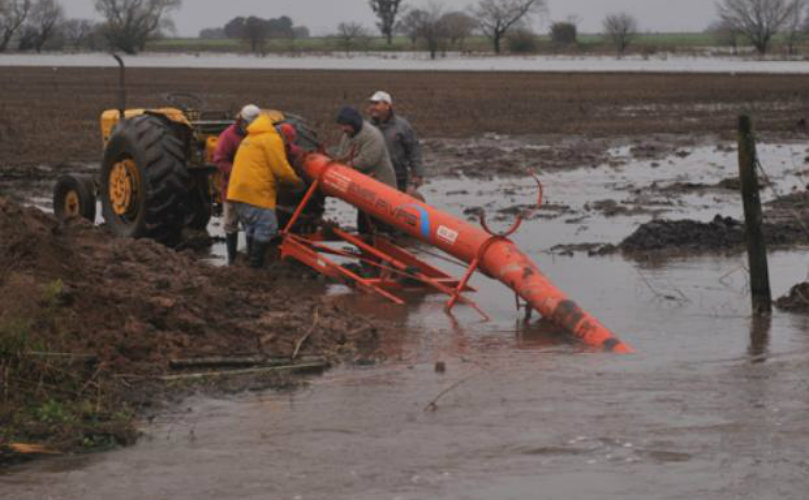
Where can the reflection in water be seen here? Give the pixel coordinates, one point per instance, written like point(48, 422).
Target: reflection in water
point(541, 334)
point(760, 326)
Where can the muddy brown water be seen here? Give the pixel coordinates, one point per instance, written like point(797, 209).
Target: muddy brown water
point(714, 404)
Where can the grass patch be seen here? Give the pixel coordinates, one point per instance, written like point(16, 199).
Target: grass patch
point(50, 397)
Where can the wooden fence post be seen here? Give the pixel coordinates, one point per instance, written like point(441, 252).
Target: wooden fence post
point(756, 248)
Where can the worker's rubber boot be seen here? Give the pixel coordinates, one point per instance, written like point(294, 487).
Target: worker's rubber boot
point(257, 254)
point(249, 246)
point(232, 245)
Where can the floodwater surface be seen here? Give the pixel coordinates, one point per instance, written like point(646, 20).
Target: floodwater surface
point(714, 403)
point(420, 61)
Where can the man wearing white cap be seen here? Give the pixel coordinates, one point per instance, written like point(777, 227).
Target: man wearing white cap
point(226, 146)
point(259, 169)
point(403, 144)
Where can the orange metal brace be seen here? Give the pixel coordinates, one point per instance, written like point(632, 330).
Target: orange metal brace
point(301, 206)
point(305, 251)
point(488, 243)
point(299, 248)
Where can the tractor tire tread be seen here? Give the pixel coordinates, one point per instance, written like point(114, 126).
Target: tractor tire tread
point(165, 178)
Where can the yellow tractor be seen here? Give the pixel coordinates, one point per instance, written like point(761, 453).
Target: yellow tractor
point(157, 175)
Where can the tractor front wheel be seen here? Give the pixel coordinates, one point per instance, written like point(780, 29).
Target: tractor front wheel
point(74, 196)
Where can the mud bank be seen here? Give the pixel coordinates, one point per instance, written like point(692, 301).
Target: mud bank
point(491, 155)
point(84, 318)
point(786, 223)
point(797, 300)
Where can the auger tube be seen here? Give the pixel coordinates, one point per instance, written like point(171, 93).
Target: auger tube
point(497, 257)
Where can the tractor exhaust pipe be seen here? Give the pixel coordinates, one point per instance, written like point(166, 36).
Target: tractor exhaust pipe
point(121, 86)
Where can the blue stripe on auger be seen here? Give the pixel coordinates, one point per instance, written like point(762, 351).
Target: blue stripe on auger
point(424, 218)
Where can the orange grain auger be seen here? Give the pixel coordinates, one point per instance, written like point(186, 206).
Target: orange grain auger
point(494, 254)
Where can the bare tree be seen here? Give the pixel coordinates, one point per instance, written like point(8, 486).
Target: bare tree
point(255, 33)
point(433, 30)
point(496, 17)
point(793, 27)
point(410, 24)
point(299, 32)
point(25, 38)
point(235, 27)
point(350, 35)
point(564, 33)
point(280, 27)
point(805, 26)
point(130, 23)
point(759, 20)
point(386, 11)
point(13, 14)
point(726, 34)
point(212, 34)
point(77, 32)
point(621, 29)
point(459, 26)
point(521, 40)
point(46, 17)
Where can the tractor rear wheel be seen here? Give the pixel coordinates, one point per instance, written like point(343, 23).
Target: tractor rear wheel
point(200, 206)
point(144, 181)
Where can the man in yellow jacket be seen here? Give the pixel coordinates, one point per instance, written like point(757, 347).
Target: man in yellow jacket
point(259, 167)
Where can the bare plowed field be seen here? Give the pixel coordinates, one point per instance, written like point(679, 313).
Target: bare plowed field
point(50, 115)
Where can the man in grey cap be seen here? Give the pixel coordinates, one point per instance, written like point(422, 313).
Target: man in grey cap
point(403, 144)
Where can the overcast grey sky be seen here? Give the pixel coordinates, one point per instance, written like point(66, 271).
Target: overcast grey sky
point(322, 16)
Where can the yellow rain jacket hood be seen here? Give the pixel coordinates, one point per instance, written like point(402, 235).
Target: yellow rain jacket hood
point(260, 165)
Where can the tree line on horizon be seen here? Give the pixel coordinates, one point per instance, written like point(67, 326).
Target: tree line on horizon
point(127, 25)
point(42, 25)
point(756, 22)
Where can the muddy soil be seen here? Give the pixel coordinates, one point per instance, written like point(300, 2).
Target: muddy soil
point(145, 304)
point(786, 223)
point(131, 307)
point(61, 106)
point(797, 300)
point(493, 155)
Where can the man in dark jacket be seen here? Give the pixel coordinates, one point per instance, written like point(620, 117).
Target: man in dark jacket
point(363, 148)
point(403, 144)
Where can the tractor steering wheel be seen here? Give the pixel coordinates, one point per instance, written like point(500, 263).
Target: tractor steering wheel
point(184, 101)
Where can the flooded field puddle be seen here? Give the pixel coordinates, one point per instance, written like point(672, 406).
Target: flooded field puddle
point(714, 404)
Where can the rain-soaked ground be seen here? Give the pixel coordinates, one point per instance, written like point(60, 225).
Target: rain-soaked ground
point(714, 404)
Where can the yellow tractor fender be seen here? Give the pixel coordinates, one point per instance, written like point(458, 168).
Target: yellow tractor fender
point(111, 117)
